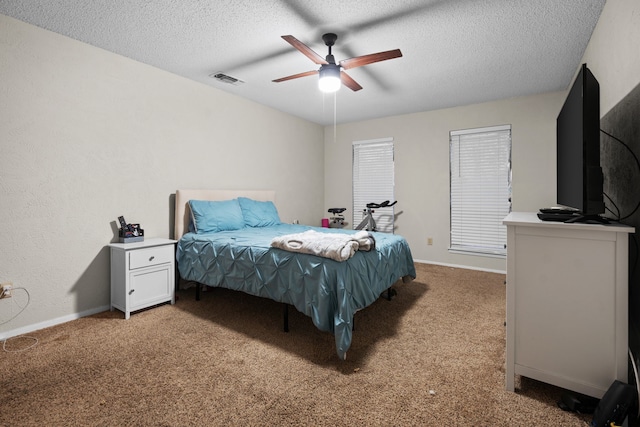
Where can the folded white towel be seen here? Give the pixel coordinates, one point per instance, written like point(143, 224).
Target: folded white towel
point(336, 246)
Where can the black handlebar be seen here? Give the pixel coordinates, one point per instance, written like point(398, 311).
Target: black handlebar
point(384, 204)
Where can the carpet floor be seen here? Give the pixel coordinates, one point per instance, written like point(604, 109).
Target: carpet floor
point(432, 356)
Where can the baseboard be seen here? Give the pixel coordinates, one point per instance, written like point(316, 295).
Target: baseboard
point(466, 267)
point(48, 323)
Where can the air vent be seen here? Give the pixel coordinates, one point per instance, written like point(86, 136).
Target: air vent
point(224, 78)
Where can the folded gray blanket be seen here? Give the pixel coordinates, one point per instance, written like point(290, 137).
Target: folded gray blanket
point(336, 246)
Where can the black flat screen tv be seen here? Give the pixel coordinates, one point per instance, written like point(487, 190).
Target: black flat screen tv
point(579, 175)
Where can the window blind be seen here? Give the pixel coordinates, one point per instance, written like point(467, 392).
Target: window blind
point(373, 181)
point(480, 179)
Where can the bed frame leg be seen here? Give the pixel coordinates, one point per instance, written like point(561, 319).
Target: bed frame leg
point(286, 317)
point(390, 293)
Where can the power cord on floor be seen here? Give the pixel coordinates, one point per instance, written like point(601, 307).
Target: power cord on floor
point(23, 337)
point(18, 350)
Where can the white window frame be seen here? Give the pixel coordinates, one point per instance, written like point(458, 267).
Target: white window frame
point(480, 190)
point(373, 180)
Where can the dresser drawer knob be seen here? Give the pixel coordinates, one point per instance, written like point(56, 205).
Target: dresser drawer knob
point(151, 259)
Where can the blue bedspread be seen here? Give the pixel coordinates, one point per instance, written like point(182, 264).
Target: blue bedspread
point(328, 291)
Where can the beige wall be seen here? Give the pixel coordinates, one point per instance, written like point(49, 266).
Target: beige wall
point(612, 54)
point(87, 135)
point(421, 144)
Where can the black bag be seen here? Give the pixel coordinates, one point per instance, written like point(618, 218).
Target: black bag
point(614, 405)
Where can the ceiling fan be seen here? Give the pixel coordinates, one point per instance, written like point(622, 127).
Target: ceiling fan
point(331, 75)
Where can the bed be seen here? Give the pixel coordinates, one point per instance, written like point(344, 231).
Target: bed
point(214, 253)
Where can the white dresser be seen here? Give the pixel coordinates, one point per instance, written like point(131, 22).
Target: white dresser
point(142, 274)
point(567, 288)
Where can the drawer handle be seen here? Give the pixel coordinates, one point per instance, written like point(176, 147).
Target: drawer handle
point(131, 291)
point(151, 259)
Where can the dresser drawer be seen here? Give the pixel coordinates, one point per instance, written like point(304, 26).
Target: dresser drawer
point(150, 256)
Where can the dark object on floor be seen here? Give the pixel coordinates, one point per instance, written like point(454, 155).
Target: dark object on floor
point(576, 402)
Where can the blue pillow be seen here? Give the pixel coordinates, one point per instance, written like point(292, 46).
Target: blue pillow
point(258, 214)
point(211, 216)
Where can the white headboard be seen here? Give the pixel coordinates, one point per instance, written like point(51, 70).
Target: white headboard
point(183, 197)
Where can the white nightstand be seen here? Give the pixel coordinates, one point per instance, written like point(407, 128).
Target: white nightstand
point(142, 274)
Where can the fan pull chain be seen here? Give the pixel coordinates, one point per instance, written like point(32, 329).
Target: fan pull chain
point(335, 115)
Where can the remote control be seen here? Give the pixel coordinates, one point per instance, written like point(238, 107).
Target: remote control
point(124, 225)
point(559, 211)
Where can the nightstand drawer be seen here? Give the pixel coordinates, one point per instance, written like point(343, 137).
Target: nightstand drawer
point(151, 256)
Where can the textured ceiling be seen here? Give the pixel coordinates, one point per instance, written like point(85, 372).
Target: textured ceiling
point(455, 52)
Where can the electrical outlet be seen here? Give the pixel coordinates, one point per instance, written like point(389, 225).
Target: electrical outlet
point(5, 289)
point(429, 241)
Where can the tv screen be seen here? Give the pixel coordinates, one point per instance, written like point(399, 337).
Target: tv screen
point(579, 175)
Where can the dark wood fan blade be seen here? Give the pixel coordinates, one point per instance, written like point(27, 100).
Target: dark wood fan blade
point(296, 76)
point(359, 61)
point(306, 50)
point(349, 82)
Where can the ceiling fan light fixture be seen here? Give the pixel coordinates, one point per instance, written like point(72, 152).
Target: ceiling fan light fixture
point(331, 76)
point(329, 80)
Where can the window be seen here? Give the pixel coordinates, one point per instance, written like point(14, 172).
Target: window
point(480, 170)
point(373, 181)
